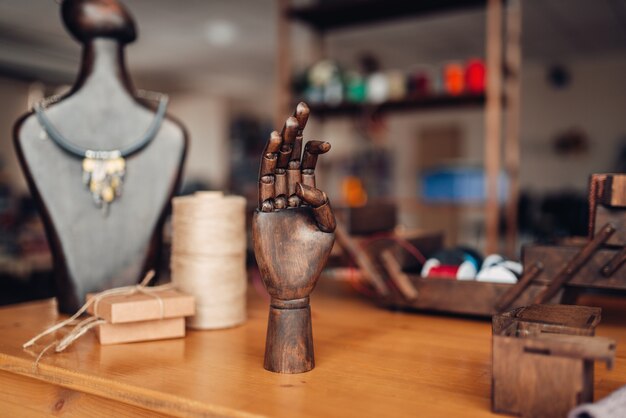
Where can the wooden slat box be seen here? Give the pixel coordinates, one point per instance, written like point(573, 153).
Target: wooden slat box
point(607, 204)
point(543, 359)
point(400, 290)
point(461, 297)
point(554, 257)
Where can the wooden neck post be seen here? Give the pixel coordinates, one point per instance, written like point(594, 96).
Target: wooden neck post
point(289, 343)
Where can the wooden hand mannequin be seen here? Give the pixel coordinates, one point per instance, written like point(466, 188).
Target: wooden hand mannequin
point(293, 235)
point(92, 252)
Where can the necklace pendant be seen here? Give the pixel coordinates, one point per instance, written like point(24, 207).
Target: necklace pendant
point(104, 177)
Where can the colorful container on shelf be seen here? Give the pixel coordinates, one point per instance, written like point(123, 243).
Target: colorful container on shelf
point(326, 83)
point(475, 76)
point(454, 79)
point(458, 185)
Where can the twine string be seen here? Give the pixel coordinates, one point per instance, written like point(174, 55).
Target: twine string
point(208, 257)
point(91, 321)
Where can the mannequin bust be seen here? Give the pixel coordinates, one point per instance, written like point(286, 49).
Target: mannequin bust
point(91, 251)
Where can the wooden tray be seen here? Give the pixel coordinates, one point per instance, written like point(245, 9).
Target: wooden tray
point(459, 297)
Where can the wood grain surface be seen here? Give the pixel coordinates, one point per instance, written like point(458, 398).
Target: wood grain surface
point(369, 363)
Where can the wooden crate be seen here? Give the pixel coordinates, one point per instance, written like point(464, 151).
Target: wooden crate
point(458, 297)
point(543, 359)
point(382, 267)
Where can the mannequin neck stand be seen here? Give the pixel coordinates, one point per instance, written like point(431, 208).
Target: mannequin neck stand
point(92, 252)
point(103, 70)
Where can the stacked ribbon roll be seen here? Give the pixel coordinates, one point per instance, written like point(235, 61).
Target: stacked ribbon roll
point(208, 257)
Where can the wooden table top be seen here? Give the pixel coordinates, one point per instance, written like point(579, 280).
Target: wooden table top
point(369, 363)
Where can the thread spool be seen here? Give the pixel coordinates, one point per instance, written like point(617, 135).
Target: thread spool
point(467, 271)
point(496, 269)
point(497, 274)
point(208, 257)
point(429, 265)
point(460, 263)
point(442, 272)
point(492, 260)
point(436, 270)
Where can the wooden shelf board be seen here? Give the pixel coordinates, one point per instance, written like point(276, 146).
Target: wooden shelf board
point(337, 15)
point(423, 103)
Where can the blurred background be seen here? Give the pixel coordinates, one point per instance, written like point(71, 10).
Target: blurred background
point(425, 103)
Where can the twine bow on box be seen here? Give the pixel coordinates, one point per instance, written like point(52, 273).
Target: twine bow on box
point(81, 327)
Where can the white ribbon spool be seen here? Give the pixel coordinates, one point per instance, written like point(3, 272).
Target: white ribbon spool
point(208, 257)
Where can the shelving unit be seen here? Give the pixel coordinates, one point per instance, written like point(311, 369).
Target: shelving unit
point(422, 103)
point(503, 81)
point(341, 15)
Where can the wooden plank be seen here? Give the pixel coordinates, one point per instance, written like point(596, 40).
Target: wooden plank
point(573, 346)
point(493, 124)
point(589, 275)
point(533, 385)
point(337, 15)
point(513, 82)
point(615, 216)
point(464, 297)
point(428, 103)
point(371, 218)
point(554, 385)
point(564, 315)
point(283, 65)
point(615, 193)
point(362, 260)
point(401, 280)
point(514, 292)
point(616, 262)
point(25, 397)
point(575, 263)
point(596, 189)
point(506, 397)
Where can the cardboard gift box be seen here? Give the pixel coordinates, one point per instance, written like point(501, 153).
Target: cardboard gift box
point(118, 309)
point(142, 317)
point(129, 332)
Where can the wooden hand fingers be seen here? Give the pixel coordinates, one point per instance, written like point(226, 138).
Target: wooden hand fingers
point(273, 144)
point(311, 151)
point(302, 116)
point(309, 160)
point(270, 156)
point(322, 212)
point(266, 172)
point(287, 176)
point(289, 133)
point(294, 177)
point(280, 202)
point(266, 193)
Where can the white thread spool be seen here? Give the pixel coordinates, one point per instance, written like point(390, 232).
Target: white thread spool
point(208, 257)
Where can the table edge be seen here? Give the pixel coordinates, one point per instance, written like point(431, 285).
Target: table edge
point(121, 392)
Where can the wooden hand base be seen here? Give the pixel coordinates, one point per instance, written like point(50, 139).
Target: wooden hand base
point(289, 343)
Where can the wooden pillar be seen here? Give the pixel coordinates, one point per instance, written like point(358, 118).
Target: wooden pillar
point(513, 116)
point(283, 65)
point(493, 123)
